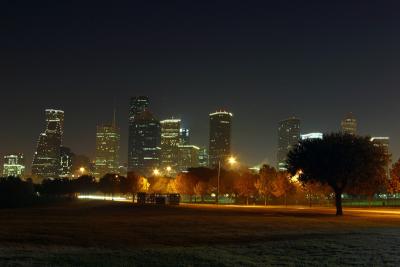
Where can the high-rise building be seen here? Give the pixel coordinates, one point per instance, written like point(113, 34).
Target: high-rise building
point(203, 157)
point(288, 138)
point(220, 137)
point(188, 157)
point(66, 157)
point(107, 149)
point(14, 165)
point(184, 136)
point(137, 105)
point(383, 142)
point(311, 136)
point(146, 144)
point(46, 160)
point(170, 139)
point(349, 124)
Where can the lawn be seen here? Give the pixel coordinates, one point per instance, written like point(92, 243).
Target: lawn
point(97, 233)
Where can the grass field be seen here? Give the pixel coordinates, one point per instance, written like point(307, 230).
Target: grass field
point(97, 233)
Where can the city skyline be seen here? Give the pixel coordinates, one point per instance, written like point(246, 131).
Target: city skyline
point(266, 61)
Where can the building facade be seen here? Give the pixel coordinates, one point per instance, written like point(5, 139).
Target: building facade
point(188, 157)
point(146, 144)
point(170, 140)
point(66, 157)
point(107, 150)
point(349, 124)
point(14, 165)
point(383, 143)
point(288, 138)
point(219, 137)
point(203, 157)
point(184, 136)
point(137, 105)
point(46, 159)
point(311, 136)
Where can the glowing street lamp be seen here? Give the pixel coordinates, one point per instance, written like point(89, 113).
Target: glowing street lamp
point(82, 170)
point(169, 169)
point(156, 172)
point(232, 161)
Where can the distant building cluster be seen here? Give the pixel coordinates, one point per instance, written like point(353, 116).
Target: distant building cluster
point(154, 146)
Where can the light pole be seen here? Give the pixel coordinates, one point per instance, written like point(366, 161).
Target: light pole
point(231, 161)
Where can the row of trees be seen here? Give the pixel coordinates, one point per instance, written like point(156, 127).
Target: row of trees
point(318, 169)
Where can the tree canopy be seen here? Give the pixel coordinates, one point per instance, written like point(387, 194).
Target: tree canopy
point(342, 161)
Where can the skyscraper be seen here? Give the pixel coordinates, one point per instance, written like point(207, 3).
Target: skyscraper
point(311, 136)
point(184, 136)
point(14, 165)
point(220, 137)
point(349, 124)
point(107, 149)
point(383, 142)
point(65, 162)
point(170, 139)
point(203, 157)
point(146, 142)
point(188, 157)
point(137, 105)
point(288, 138)
point(46, 160)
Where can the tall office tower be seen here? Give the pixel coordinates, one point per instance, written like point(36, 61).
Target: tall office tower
point(170, 139)
point(383, 142)
point(137, 105)
point(203, 157)
point(66, 157)
point(288, 138)
point(14, 165)
point(188, 157)
point(184, 136)
point(146, 144)
point(46, 160)
point(349, 124)
point(107, 149)
point(220, 137)
point(311, 136)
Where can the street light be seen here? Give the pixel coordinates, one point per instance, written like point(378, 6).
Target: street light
point(232, 161)
point(169, 169)
point(156, 172)
point(82, 170)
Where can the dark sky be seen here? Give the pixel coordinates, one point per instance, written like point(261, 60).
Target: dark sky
point(262, 60)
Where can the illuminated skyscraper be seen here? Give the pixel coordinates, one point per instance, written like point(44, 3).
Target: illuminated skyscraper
point(311, 136)
point(137, 105)
point(14, 165)
point(46, 160)
point(170, 139)
point(220, 137)
point(203, 157)
point(349, 124)
point(188, 157)
point(146, 144)
point(107, 149)
point(184, 136)
point(288, 138)
point(66, 157)
point(383, 142)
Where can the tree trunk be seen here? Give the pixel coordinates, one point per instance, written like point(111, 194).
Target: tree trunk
point(338, 199)
point(247, 201)
point(265, 200)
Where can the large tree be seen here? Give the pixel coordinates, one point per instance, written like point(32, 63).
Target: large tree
point(393, 185)
point(265, 183)
point(341, 161)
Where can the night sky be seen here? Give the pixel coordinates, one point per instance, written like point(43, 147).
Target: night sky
point(261, 60)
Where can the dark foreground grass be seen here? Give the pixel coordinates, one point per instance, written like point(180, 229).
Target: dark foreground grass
point(91, 233)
